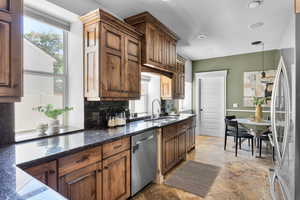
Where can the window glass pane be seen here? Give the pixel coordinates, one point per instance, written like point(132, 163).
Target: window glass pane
point(43, 47)
point(141, 106)
point(38, 90)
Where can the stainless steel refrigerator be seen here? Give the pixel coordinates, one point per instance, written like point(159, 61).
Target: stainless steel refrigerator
point(282, 175)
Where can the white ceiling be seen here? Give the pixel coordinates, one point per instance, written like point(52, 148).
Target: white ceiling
point(225, 22)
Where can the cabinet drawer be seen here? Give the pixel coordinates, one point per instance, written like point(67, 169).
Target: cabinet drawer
point(115, 147)
point(79, 160)
point(170, 131)
point(182, 126)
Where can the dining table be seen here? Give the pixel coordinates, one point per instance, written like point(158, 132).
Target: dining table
point(254, 128)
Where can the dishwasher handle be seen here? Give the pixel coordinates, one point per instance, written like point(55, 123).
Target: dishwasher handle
point(137, 144)
point(144, 140)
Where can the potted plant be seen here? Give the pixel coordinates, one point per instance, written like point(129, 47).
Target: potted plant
point(258, 102)
point(52, 113)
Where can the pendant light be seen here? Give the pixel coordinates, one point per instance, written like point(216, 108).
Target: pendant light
point(256, 43)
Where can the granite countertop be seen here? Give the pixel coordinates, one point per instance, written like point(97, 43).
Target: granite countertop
point(16, 184)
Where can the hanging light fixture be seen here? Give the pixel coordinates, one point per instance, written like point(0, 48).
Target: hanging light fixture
point(256, 43)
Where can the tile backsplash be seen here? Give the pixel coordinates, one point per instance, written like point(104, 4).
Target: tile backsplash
point(96, 113)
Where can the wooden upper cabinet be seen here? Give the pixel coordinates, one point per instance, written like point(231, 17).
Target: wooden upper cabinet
point(174, 88)
point(297, 6)
point(159, 42)
point(132, 73)
point(166, 91)
point(4, 5)
point(46, 173)
point(112, 54)
point(11, 56)
point(179, 79)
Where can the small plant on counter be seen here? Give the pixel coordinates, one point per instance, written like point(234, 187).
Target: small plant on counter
point(52, 112)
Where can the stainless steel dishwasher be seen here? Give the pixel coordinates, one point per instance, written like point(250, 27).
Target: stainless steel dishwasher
point(144, 159)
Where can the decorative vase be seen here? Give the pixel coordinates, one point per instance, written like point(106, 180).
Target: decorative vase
point(54, 126)
point(41, 129)
point(258, 113)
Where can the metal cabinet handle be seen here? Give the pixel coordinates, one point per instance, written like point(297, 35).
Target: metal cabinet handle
point(116, 147)
point(79, 179)
point(84, 158)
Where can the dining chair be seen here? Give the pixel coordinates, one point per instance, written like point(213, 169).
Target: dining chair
point(265, 137)
point(232, 129)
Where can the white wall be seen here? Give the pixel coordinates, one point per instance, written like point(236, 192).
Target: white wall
point(75, 72)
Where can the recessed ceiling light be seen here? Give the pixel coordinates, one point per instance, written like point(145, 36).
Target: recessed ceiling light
point(165, 0)
point(202, 36)
point(255, 3)
point(256, 25)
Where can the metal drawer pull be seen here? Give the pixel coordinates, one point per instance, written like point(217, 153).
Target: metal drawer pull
point(84, 158)
point(79, 179)
point(145, 139)
point(116, 147)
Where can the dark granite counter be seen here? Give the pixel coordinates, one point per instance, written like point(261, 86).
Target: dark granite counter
point(16, 184)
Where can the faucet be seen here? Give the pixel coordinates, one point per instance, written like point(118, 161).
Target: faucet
point(159, 103)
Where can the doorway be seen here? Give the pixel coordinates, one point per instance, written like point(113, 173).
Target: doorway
point(211, 103)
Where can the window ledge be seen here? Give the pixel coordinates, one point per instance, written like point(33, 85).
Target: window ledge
point(33, 134)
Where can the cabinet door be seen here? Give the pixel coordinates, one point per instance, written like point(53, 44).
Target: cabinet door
point(172, 56)
point(4, 5)
point(82, 184)
point(192, 138)
point(150, 34)
point(169, 152)
point(46, 173)
point(132, 67)
point(116, 177)
point(112, 62)
point(91, 61)
point(181, 145)
point(11, 60)
point(166, 87)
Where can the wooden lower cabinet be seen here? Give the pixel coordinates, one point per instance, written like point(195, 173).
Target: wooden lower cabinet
point(82, 184)
point(190, 139)
point(169, 152)
point(46, 173)
point(116, 177)
point(182, 145)
point(173, 146)
point(177, 140)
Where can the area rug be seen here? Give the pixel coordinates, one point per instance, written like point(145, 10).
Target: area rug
point(193, 177)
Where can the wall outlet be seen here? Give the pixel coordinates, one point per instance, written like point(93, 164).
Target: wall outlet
point(235, 105)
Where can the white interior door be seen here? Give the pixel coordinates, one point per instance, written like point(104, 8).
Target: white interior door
point(211, 106)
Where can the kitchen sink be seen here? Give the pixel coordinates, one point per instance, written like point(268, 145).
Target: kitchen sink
point(163, 119)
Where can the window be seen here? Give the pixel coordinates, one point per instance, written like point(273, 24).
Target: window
point(141, 106)
point(45, 73)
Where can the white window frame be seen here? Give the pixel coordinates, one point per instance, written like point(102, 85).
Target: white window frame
point(132, 102)
point(64, 76)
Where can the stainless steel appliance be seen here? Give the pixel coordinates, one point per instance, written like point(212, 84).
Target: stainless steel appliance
point(144, 160)
point(282, 175)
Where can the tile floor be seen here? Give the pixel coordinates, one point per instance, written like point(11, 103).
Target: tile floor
point(241, 178)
